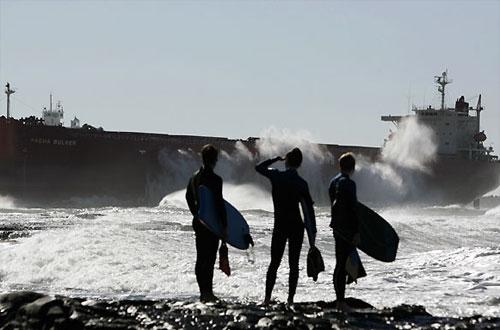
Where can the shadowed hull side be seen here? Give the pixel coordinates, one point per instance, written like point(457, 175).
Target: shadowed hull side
point(42, 165)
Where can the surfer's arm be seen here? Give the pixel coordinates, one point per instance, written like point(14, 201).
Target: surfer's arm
point(191, 199)
point(309, 216)
point(263, 167)
point(331, 192)
point(312, 224)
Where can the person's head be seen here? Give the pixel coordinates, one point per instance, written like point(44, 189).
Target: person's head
point(347, 163)
point(209, 155)
point(293, 158)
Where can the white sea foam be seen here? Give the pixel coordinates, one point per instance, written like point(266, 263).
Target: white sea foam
point(494, 212)
point(495, 192)
point(449, 260)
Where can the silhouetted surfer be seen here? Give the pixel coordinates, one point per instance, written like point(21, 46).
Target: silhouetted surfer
point(206, 242)
point(344, 222)
point(288, 190)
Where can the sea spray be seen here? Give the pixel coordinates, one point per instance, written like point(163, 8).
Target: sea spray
point(175, 167)
point(396, 176)
point(7, 202)
point(405, 160)
point(412, 146)
point(377, 181)
point(317, 165)
point(237, 168)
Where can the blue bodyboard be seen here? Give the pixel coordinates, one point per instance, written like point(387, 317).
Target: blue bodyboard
point(237, 227)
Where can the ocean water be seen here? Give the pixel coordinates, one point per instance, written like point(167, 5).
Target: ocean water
point(448, 261)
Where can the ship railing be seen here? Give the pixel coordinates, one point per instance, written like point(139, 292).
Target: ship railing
point(477, 154)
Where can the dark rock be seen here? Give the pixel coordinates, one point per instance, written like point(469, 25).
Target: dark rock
point(56, 312)
point(10, 304)
point(67, 324)
point(404, 311)
point(14, 300)
point(5, 235)
point(40, 307)
point(62, 313)
point(237, 326)
point(358, 303)
point(264, 322)
point(14, 324)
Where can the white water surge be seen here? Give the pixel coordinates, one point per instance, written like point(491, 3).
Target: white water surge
point(449, 258)
point(448, 261)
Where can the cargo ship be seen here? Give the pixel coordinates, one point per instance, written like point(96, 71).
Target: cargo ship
point(45, 163)
point(463, 168)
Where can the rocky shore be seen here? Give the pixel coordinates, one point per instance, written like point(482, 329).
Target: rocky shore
point(32, 310)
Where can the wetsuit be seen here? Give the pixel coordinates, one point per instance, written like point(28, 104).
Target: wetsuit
point(344, 223)
point(206, 242)
point(288, 189)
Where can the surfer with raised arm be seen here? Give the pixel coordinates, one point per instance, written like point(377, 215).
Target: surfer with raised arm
point(344, 222)
point(288, 191)
point(207, 242)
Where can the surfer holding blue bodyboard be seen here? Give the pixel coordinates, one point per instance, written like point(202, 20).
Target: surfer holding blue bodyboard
point(289, 190)
point(207, 242)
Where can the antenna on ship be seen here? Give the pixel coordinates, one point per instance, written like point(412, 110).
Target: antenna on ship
point(479, 108)
point(8, 91)
point(442, 81)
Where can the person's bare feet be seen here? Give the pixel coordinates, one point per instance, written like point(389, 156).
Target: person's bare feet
point(208, 298)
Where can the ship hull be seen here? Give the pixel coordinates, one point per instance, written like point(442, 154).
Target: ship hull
point(57, 166)
point(460, 181)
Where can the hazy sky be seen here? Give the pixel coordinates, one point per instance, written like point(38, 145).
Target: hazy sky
point(235, 68)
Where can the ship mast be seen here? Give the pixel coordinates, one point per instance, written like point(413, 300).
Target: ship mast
point(442, 81)
point(8, 91)
point(479, 108)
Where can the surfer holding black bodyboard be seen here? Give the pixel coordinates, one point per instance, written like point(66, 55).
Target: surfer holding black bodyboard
point(355, 226)
point(289, 190)
point(207, 242)
point(344, 222)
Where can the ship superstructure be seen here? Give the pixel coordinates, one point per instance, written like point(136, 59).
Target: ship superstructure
point(463, 169)
point(53, 117)
point(457, 130)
